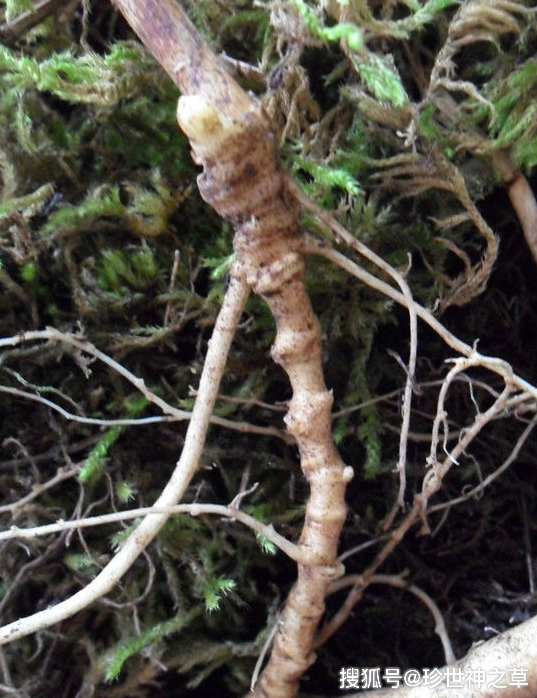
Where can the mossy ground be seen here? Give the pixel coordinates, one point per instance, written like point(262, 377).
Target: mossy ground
point(99, 198)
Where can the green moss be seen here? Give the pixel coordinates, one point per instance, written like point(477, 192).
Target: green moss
point(95, 460)
point(16, 7)
point(29, 272)
point(157, 633)
point(381, 78)
point(90, 78)
point(102, 233)
point(79, 563)
point(515, 101)
point(327, 177)
point(137, 269)
point(348, 31)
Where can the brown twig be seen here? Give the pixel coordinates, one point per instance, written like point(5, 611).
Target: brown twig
point(231, 511)
point(232, 139)
point(449, 338)
point(51, 453)
point(171, 413)
point(185, 469)
point(432, 482)
point(401, 583)
point(13, 30)
point(521, 196)
point(167, 32)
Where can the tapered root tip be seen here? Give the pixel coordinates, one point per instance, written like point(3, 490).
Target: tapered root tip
point(200, 120)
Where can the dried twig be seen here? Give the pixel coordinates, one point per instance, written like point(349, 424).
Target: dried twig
point(232, 512)
point(341, 233)
point(433, 478)
point(495, 658)
point(11, 31)
point(401, 583)
point(186, 467)
point(521, 196)
point(231, 138)
point(61, 475)
point(449, 338)
point(173, 414)
point(475, 491)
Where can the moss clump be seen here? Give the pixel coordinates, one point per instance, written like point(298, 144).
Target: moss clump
point(388, 113)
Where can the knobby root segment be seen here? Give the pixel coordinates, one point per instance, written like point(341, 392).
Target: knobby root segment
point(242, 182)
point(232, 139)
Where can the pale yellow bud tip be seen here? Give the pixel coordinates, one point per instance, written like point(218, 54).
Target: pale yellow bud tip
point(200, 120)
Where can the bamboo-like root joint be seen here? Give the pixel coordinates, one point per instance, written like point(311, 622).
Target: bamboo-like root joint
point(242, 182)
